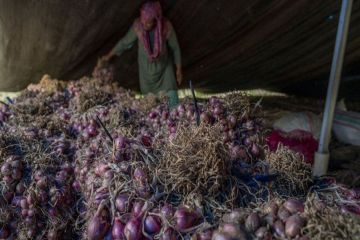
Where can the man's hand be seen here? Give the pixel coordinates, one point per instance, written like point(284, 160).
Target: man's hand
point(179, 75)
point(102, 62)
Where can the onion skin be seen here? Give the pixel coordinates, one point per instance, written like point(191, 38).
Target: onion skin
point(262, 232)
point(146, 141)
point(206, 235)
point(132, 230)
point(99, 224)
point(272, 209)
point(189, 114)
point(213, 100)
point(293, 225)
point(6, 169)
point(16, 201)
point(180, 108)
point(233, 231)
point(101, 169)
point(232, 121)
point(252, 222)
point(4, 233)
point(29, 221)
point(221, 236)
point(239, 152)
point(7, 179)
point(53, 212)
point(23, 203)
point(109, 174)
point(31, 198)
point(31, 212)
point(16, 174)
point(119, 143)
point(169, 234)
point(294, 206)
point(255, 150)
point(38, 175)
point(350, 209)
point(152, 225)
point(137, 209)
point(247, 141)
point(118, 230)
point(122, 203)
point(205, 117)
point(279, 229)
point(42, 183)
point(76, 186)
point(236, 216)
point(167, 211)
point(283, 214)
point(31, 233)
point(24, 213)
point(185, 218)
point(16, 164)
point(140, 175)
point(52, 235)
point(218, 110)
point(226, 137)
point(152, 115)
point(20, 188)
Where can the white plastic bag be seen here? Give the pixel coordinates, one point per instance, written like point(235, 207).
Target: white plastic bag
point(346, 125)
point(305, 121)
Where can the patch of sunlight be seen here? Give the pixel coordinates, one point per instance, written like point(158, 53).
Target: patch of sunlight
point(252, 93)
point(11, 95)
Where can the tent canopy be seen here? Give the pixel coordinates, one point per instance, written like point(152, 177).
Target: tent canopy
point(279, 45)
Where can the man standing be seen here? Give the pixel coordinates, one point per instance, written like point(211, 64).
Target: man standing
point(158, 52)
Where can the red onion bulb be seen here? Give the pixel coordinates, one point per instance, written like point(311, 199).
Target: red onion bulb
point(132, 229)
point(185, 218)
point(118, 230)
point(152, 225)
point(122, 203)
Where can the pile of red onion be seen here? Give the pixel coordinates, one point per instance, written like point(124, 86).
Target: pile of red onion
point(283, 221)
point(40, 198)
point(64, 177)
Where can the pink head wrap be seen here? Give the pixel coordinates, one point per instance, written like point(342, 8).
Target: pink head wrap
point(152, 11)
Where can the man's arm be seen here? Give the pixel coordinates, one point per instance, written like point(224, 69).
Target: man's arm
point(124, 44)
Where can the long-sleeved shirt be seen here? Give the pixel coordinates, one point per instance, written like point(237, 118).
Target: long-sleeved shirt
point(157, 75)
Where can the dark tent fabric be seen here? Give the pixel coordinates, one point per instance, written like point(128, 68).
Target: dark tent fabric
point(284, 45)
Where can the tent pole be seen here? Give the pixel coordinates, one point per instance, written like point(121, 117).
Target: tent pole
point(322, 155)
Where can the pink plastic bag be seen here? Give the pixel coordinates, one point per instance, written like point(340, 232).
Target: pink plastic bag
point(298, 140)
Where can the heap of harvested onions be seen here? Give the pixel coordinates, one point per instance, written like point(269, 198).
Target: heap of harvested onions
point(157, 176)
point(196, 160)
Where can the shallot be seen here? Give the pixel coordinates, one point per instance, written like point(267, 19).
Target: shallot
point(252, 222)
point(185, 218)
point(118, 230)
point(99, 224)
point(293, 225)
point(294, 206)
